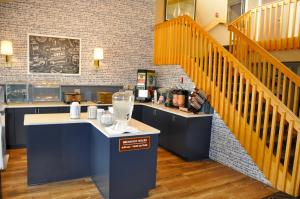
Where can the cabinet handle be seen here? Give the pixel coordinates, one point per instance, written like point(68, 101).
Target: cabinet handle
point(154, 112)
point(173, 118)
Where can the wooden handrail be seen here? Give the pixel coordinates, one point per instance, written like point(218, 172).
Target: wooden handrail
point(273, 25)
point(245, 104)
point(273, 60)
point(283, 82)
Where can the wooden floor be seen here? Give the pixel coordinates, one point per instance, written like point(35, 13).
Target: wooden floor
point(175, 179)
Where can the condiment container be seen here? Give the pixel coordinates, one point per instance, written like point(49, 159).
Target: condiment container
point(175, 99)
point(92, 112)
point(181, 100)
point(107, 119)
point(75, 110)
point(100, 112)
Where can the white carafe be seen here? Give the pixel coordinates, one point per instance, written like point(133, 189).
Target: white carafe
point(75, 110)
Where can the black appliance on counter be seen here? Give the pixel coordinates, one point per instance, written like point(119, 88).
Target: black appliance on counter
point(146, 83)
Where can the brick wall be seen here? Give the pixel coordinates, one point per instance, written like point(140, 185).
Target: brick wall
point(123, 28)
point(226, 149)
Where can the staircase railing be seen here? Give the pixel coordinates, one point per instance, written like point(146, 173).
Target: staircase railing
point(267, 129)
point(283, 82)
point(275, 26)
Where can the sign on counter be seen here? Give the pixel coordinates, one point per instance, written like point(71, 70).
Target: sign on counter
point(134, 144)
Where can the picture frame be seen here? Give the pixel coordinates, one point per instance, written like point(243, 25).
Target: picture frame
point(52, 55)
point(176, 8)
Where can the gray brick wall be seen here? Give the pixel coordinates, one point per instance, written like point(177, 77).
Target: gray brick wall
point(125, 30)
point(226, 149)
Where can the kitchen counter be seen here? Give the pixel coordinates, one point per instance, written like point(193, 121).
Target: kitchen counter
point(175, 111)
point(47, 104)
point(122, 166)
point(64, 118)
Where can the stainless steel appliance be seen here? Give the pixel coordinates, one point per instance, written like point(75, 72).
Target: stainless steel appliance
point(146, 83)
point(46, 92)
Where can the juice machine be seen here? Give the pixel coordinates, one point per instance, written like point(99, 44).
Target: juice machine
point(146, 83)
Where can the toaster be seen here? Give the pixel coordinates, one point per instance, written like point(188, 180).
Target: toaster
point(72, 97)
point(104, 97)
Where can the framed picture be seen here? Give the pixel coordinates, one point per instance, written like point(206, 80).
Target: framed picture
point(176, 8)
point(53, 55)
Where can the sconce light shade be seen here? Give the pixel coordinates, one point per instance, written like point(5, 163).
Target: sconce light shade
point(98, 53)
point(6, 47)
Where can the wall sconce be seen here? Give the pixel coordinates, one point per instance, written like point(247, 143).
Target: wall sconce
point(6, 50)
point(98, 55)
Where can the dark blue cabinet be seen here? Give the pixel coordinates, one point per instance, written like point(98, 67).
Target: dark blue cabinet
point(10, 128)
point(67, 151)
point(42, 110)
point(137, 112)
point(19, 125)
point(187, 137)
point(15, 132)
point(57, 152)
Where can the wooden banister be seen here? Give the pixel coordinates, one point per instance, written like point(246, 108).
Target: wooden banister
point(275, 25)
point(283, 82)
point(262, 123)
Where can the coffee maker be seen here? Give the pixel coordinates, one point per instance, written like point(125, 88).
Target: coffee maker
point(146, 83)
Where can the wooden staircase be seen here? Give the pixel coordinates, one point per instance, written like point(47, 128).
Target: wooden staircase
point(264, 125)
point(259, 30)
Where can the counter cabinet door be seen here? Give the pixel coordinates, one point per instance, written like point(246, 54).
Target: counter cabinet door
point(64, 109)
point(20, 130)
point(137, 113)
point(177, 135)
point(164, 125)
point(150, 116)
point(10, 127)
point(44, 110)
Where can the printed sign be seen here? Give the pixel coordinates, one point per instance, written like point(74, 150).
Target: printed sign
point(134, 144)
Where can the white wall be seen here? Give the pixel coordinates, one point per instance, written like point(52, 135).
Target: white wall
point(206, 13)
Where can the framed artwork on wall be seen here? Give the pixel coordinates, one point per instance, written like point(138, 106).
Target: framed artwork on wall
point(176, 8)
point(53, 55)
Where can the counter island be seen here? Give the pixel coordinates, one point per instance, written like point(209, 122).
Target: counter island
point(121, 165)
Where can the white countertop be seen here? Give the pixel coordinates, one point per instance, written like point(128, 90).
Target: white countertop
point(161, 107)
point(64, 118)
point(48, 104)
point(175, 111)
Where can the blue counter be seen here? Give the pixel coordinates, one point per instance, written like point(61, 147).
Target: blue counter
point(59, 152)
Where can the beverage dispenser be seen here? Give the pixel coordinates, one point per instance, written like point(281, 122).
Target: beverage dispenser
point(146, 83)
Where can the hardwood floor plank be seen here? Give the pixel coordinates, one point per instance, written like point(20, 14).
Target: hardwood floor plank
point(176, 178)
